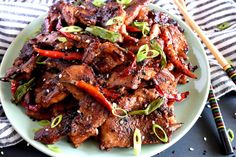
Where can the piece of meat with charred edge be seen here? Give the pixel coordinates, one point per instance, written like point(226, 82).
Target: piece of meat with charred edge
point(86, 14)
point(78, 72)
point(117, 132)
point(91, 52)
point(155, 31)
point(87, 122)
point(179, 42)
point(108, 11)
point(48, 135)
point(68, 12)
point(50, 91)
point(133, 10)
point(166, 81)
point(117, 79)
point(24, 64)
point(56, 64)
point(111, 56)
point(172, 54)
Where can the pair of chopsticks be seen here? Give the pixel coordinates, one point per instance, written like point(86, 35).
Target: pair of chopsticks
point(224, 137)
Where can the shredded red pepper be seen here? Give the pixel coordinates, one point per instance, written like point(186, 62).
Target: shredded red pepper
point(94, 92)
point(70, 35)
point(132, 29)
point(58, 54)
point(14, 86)
point(173, 97)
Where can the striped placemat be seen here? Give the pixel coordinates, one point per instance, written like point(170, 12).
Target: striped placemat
point(16, 14)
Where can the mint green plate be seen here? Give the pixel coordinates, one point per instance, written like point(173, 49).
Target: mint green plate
point(186, 112)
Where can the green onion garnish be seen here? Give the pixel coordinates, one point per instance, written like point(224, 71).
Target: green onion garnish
point(137, 141)
point(124, 2)
point(156, 127)
point(143, 26)
point(44, 122)
point(54, 148)
point(230, 134)
point(223, 26)
point(151, 107)
point(71, 29)
point(114, 20)
point(56, 121)
point(143, 53)
point(62, 39)
point(119, 112)
point(103, 33)
point(22, 90)
point(157, 47)
point(98, 3)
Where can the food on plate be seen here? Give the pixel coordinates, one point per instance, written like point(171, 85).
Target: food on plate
point(103, 69)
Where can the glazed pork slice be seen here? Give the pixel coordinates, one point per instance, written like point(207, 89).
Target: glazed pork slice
point(48, 135)
point(133, 10)
point(91, 116)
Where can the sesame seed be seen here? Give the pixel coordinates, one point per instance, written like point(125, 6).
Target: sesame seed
point(208, 106)
point(66, 47)
point(27, 144)
point(44, 79)
point(78, 111)
point(153, 122)
point(143, 137)
point(96, 131)
point(46, 129)
point(60, 75)
point(204, 138)
point(87, 41)
point(47, 90)
point(2, 152)
point(191, 149)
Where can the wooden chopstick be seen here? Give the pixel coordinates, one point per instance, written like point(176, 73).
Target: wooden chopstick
point(219, 57)
point(215, 108)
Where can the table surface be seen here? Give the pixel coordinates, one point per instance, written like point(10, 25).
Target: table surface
point(203, 129)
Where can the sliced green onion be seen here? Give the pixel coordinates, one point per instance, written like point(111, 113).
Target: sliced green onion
point(223, 26)
point(230, 134)
point(114, 20)
point(124, 2)
point(62, 39)
point(103, 33)
point(143, 53)
point(123, 113)
point(22, 90)
point(98, 3)
point(44, 122)
point(150, 108)
point(41, 63)
point(54, 148)
point(137, 141)
point(143, 26)
point(56, 121)
point(71, 29)
point(165, 137)
point(157, 47)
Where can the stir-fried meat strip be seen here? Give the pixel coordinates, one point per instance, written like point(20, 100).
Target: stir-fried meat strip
point(110, 57)
point(172, 54)
point(50, 91)
point(48, 135)
point(166, 81)
point(111, 10)
point(179, 42)
point(133, 10)
point(91, 52)
point(87, 122)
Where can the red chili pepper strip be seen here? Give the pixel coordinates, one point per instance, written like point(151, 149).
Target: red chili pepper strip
point(70, 36)
point(94, 92)
point(58, 54)
point(110, 93)
point(132, 29)
point(14, 86)
point(172, 97)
